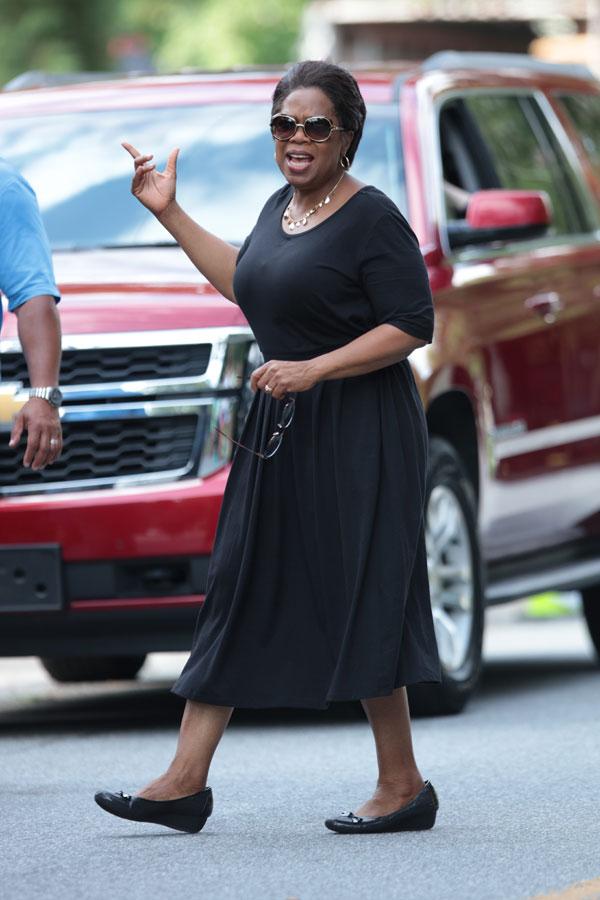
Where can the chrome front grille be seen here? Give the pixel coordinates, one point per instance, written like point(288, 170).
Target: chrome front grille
point(139, 408)
point(110, 449)
point(109, 364)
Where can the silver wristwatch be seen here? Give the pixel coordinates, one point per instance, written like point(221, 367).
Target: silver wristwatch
point(53, 395)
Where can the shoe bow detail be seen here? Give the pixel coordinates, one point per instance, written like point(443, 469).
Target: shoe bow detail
point(183, 814)
point(418, 814)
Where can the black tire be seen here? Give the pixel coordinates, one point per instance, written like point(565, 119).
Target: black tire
point(458, 684)
point(92, 668)
point(591, 609)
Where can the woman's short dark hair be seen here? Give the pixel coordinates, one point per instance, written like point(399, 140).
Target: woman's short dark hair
point(337, 84)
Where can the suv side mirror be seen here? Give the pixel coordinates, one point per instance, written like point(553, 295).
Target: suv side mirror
point(499, 215)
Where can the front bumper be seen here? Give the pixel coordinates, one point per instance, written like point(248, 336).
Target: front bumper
point(175, 519)
point(134, 566)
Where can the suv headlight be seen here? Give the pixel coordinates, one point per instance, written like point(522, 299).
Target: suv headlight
point(228, 414)
point(254, 359)
point(216, 449)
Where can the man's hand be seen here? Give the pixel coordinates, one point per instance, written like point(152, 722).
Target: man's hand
point(44, 434)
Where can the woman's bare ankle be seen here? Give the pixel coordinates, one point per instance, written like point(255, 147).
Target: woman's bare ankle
point(406, 783)
point(391, 794)
point(173, 786)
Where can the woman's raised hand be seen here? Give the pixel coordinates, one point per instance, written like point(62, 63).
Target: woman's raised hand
point(156, 190)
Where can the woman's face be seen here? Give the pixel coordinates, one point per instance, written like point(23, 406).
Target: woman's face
point(306, 164)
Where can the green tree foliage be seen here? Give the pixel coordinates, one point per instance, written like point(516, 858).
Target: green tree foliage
point(66, 35)
point(59, 35)
point(231, 32)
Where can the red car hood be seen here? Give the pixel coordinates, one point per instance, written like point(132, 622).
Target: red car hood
point(142, 289)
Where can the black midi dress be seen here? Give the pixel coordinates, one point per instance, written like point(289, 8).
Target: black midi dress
point(317, 587)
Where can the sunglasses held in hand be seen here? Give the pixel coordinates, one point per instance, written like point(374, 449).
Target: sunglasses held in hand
point(274, 442)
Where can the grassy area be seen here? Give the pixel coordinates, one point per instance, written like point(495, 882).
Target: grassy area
point(552, 605)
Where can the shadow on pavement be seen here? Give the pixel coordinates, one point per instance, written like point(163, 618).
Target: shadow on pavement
point(151, 705)
point(533, 675)
point(148, 705)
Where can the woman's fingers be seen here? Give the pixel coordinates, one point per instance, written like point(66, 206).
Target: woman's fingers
point(141, 161)
point(138, 179)
point(154, 189)
point(143, 164)
point(270, 382)
point(171, 167)
point(130, 149)
point(271, 373)
point(254, 378)
point(263, 377)
point(283, 377)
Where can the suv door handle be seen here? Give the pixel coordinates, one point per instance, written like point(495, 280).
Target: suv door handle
point(547, 304)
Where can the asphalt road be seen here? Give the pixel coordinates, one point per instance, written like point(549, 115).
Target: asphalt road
point(518, 775)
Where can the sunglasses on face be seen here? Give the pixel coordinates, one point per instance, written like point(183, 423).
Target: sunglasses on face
point(317, 128)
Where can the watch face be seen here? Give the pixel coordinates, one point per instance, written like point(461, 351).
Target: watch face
point(56, 396)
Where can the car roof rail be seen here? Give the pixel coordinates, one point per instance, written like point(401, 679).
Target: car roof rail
point(454, 59)
point(39, 79)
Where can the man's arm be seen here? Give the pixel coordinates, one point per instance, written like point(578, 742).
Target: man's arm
point(40, 336)
point(27, 279)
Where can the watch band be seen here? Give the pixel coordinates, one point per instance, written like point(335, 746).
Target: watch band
point(53, 395)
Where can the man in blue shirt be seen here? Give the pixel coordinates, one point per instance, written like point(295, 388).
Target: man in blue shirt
point(27, 280)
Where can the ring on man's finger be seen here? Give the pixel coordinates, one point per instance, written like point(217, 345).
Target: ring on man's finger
point(268, 389)
point(53, 442)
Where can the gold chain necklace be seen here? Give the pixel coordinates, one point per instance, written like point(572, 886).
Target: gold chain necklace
point(295, 223)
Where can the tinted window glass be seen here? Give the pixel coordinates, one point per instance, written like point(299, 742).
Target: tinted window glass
point(226, 170)
point(523, 155)
point(584, 110)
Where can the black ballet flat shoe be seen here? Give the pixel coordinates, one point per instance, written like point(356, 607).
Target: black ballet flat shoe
point(185, 814)
point(417, 815)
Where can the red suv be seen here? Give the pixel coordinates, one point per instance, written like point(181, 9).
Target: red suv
point(496, 162)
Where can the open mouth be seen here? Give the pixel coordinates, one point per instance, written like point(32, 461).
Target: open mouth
point(298, 162)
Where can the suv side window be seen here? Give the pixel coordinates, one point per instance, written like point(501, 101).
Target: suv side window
point(584, 111)
point(505, 145)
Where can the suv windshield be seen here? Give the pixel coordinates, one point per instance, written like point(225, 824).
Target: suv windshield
point(226, 170)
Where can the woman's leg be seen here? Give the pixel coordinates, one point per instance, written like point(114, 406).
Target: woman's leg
point(201, 729)
point(399, 779)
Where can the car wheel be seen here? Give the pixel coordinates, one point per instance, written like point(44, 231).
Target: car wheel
point(92, 668)
point(456, 584)
point(591, 609)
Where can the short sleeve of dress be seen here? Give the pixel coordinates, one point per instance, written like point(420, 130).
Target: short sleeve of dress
point(395, 279)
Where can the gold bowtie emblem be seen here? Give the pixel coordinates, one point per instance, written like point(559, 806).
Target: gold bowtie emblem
point(12, 398)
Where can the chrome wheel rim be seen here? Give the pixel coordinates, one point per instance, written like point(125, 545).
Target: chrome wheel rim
point(451, 583)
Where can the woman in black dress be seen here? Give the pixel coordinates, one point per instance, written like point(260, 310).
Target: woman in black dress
point(318, 585)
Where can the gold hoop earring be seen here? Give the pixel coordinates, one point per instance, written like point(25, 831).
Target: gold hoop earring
point(345, 162)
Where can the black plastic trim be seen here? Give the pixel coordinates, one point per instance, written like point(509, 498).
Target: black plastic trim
point(167, 576)
point(98, 633)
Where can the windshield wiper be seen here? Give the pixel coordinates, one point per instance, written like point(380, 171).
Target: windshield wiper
point(78, 248)
point(133, 246)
